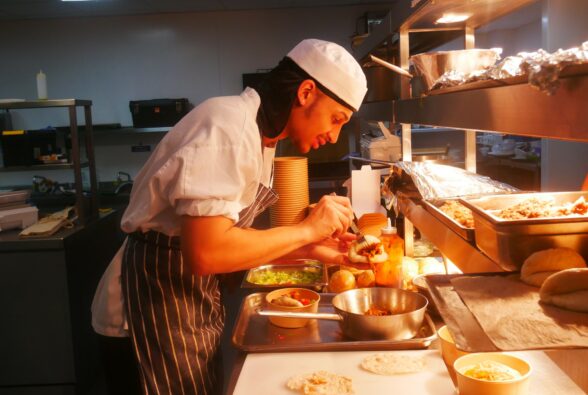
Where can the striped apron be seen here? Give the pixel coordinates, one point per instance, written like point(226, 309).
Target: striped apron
point(175, 317)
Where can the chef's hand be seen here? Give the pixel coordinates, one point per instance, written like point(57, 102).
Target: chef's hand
point(330, 218)
point(330, 250)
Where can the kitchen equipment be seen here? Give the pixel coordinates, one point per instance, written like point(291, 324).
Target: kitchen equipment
point(510, 242)
point(253, 333)
point(432, 65)
point(391, 66)
point(304, 273)
point(157, 112)
point(408, 310)
point(283, 322)
point(21, 217)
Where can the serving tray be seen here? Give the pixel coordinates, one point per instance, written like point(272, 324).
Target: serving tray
point(254, 333)
point(294, 266)
point(432, 206)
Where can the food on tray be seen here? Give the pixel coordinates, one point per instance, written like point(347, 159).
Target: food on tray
point(541, 264)
point(366, 279)
point(413, 267)
point(390, 364)
point(422, 248)
point(368, 249)
point(341, 280)
point(307, 275)
point(321, 383)
point(377, 311)
point(458, 212)
point(490, 371)
point(543, 208)
point(292, 299)
point(567, 289)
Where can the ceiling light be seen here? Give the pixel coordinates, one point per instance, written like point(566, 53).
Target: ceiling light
point(453, 18)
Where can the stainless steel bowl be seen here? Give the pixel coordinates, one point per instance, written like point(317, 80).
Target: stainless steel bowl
point(408, 307)
point(408, 313)
point(430, 66)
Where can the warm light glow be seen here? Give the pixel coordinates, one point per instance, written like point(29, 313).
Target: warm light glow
point(453, 18)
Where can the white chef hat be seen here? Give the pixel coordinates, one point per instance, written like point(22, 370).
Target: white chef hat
point(333, 67)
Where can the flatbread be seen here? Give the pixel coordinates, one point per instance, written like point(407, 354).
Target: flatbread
point(321, 383)
point(390, 364)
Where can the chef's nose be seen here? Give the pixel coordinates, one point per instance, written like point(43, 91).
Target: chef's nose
point(333, 135)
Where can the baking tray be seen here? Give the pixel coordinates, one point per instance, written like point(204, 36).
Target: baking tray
point(510, 242)
point(465, 329)
point(254, 333)
point(295, 265)
point(432, 206)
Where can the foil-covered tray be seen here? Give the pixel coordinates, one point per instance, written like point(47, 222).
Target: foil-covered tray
point(432, 206)
point(510, 242)
point(254, 333)
point(287, 271)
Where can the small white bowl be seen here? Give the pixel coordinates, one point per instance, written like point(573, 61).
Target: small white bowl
point(471, 386)
point(284, 322)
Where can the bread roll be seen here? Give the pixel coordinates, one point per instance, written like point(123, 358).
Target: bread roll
point(541, 264)
point(567, 289)
point(370, 250)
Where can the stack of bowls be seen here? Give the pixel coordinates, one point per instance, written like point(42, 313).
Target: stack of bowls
point(291, 184)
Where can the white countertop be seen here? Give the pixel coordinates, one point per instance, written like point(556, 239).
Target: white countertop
point(268, 373)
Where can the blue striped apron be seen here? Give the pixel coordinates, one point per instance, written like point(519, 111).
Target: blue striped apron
point(175, 317)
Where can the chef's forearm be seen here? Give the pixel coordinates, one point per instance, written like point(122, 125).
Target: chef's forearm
point(213, 245)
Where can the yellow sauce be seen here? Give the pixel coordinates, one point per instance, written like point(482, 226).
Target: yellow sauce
point(490, 371)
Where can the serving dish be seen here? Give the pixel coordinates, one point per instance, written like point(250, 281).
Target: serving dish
point(254, 333)
point(303, 273)
point(510, 242)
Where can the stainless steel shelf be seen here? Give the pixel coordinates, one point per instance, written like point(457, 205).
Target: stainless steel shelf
point(463, 254)
point(44, 103)
point(54, 166)
point(514, 109)
point(131, 130)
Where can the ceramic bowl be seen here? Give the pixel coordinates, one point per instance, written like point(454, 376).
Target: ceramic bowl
point(284, 322)
point(471, 386)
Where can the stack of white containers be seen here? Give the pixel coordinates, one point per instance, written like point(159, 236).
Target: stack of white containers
point(291, 184)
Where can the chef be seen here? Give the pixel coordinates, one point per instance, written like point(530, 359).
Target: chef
point(192, 206)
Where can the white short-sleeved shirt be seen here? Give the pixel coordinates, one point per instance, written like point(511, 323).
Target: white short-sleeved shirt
point(211, 163)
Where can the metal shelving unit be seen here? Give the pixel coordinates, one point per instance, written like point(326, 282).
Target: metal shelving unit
point(85, 214)
point(511, 106)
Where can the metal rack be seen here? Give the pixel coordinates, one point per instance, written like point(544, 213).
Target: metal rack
point(85, 214)
point(511, 107)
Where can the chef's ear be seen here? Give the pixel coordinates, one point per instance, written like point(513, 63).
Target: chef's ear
point(306, 90)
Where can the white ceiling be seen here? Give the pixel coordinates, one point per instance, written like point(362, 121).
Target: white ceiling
point(26, 9)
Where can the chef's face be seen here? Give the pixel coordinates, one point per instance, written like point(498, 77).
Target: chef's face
point(315, 118)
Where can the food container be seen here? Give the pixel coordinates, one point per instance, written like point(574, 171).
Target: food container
point(432, 206)
point(449, 352)
point(510, 242)
point(471, 386)
point(303, 273)
point(430, 66)
point(292, 322)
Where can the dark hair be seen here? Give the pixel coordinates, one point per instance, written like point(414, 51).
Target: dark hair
point(278, 91)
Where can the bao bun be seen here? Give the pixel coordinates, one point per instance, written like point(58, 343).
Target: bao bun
point(369, 250)
point(567, 289)
point(541, 264)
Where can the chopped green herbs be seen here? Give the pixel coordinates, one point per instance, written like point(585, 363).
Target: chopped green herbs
point(307, 275)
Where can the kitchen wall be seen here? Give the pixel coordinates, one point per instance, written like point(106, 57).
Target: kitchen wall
point(111, 60)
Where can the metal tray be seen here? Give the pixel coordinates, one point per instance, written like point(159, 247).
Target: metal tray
point(465, 329)
point(254, 333)
point(298, 264)
point(510, 242)
point(432, 206)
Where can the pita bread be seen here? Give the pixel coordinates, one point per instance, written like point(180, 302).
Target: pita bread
point(321, 383)
point(390, 364)
point(542, 264)
point(567, 289)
